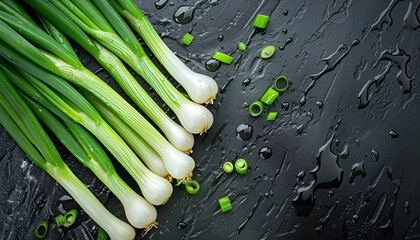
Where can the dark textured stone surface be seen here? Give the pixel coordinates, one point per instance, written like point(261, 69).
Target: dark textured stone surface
point(341, 50)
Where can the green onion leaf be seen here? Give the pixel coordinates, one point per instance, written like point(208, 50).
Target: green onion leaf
point(223, 57)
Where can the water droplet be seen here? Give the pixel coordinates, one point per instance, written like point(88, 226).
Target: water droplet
point(171, 3)
point(320, 104)
point(220, 38)
point(244, 132)
point(289, 40)
point(375, 154)
point(285, 106)
point(355, 218)
point(265, 152)
point(407, 207)
point(300, 175)
point(330, 193)
point(182, 225)
point(302, 101)
point(284, 31)
point(285, 12)
point(310, 115)
point(245, 105)
point(213, 65)
point(345, 153)
point(281, 47)
point(160, 4)
point(184, 14)
point(246, 82)
point(393, 134)
point(357, 169)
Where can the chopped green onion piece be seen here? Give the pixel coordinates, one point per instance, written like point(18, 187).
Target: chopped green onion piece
point(271, 116)
point(225, 204)
point(41, 230)
point(242, 46)
point(187, 39)
point(270, 96)
point(70, 218)
point(258, 104)
point(60, 220)
point(223, 57)
point(102, 235)
point(283, 79)
point(179, 181)
point(268, 51)
point(228, 167)
point(241, 166)
point(192, 187)
point(261, 21)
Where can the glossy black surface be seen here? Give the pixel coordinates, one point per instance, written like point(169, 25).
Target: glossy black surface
point(344, 162)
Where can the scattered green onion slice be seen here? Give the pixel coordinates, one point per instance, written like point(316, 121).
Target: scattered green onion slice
point(284, 79)
point(258, 104)
point(271, 116)
point(60, 220)
point(187, 39)
point(225, 204)
point(269, 96)
point(241, 166)
point(242, 46)
point(70, 218)
point(192, 187)
point(102, 235)
point(228, 167)
point(42, 229)
point(261, 21)
point(268, 51)
point(223, 57)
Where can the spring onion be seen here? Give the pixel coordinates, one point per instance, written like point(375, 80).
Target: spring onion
point(271, 116)
point(223, 57)
point(123, 43)
point(261, 21)
point(45, 155)
point(268, 52)
point(225, 204)
point(102, 234)
point(85, 148)
point(242, 46)
point(228, 167)
point(241, 166)
point(41, 230)
point(192, 187)
point(187, 39)
point(256, 108)
point(60, 220)
point(284, 82)
point(70, 218)
point(269, 96)
point(201, 88)
point(179, 165)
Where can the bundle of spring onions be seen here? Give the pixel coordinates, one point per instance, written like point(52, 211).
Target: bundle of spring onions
point(40, 70)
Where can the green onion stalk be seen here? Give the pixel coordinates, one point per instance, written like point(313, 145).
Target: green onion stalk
point(177, 135)
point(200, 88)
point(111, 31)
point(154, 188)
point(146, 153)
point(65, 65)
point(43, 152)
point(84, 147)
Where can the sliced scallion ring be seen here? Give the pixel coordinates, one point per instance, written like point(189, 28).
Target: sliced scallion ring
point(285, 82)
point(271, 116)
point(60, 220)
point(242, 46)
point(223, 57)
point(225, 204)
point(41, 230)
point(192, 187)
point(261, 21)
point(241, 166)
point(269, 96)
point(70, 218)
point(268, 51)
point(228, 167)
point(187, 39)
point(255, 105)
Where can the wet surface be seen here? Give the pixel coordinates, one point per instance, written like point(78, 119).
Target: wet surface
point(343, 145)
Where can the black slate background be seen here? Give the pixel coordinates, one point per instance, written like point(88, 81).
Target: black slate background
point(381, 205)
